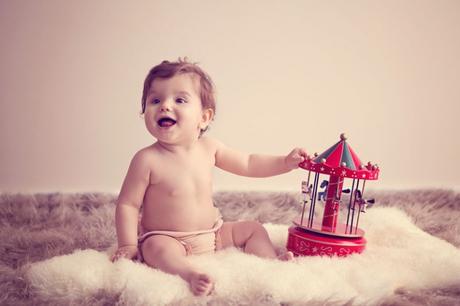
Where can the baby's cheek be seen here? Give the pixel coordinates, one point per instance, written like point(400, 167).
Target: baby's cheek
point(150, 125)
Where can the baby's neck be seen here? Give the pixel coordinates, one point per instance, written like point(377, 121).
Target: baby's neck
point(176, 148)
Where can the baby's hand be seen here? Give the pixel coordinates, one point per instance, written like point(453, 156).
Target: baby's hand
point(128, 251)
point(294, 158)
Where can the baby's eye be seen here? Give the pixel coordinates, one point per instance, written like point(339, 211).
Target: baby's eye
point(181, 100)
point(155, 101)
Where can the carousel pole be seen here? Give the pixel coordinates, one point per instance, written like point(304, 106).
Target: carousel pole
point(331, 206)
point(305, 191)
point(362, 202)
point(354, 206)
point(349, 204)
point(339, 190)
point(362, 190)
point(313, 201)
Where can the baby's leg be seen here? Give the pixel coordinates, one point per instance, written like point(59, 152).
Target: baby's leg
point(252, 237)
point(169, 255)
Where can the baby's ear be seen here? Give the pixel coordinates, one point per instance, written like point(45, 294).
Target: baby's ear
point(206, 118)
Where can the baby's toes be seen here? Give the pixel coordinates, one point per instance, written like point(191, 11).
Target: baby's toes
point(205, 284)
point(201, 284)
point(206, 288)
point(286, 256)
point(204, 278)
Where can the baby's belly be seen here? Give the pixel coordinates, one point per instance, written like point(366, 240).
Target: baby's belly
point(178, 214)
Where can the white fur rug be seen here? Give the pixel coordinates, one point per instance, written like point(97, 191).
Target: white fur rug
point(398, 254)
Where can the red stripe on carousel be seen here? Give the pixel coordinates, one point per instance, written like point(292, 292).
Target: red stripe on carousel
point(335, 157)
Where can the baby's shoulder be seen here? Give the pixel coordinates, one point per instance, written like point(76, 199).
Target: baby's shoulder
point(145, 156)
point(209, 143)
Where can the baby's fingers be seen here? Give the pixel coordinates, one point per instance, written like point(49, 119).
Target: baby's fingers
point(302, 152)
point(114, 257)
point(298, 158)
point(118, 255)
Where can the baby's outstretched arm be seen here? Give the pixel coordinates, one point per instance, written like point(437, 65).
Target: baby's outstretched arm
point(257, 165)
point(128, 205)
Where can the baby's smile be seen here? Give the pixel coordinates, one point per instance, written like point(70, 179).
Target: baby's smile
point(166, 122)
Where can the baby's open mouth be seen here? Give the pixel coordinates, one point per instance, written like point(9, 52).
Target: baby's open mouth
point(166, 122)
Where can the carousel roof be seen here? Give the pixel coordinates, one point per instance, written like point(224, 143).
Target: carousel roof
point(340, 154)
point(340, 159)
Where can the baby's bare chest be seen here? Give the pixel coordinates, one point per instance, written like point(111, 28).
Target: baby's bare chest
point(182, 176)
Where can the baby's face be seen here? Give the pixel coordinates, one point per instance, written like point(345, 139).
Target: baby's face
point(173, 112)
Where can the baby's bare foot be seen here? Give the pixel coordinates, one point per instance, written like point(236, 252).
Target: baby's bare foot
point(201, 284)
point(286, 256)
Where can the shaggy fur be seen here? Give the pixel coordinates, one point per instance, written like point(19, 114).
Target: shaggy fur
point(38, 227)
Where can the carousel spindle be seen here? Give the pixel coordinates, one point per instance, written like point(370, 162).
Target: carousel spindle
point(305, 192)
point(313, 200)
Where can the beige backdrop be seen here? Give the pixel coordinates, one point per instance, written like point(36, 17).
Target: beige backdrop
point(288, 73)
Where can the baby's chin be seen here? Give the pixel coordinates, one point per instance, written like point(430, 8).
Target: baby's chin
point(175, 136)
point(176, 141)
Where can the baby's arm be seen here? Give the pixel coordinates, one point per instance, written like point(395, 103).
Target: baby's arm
point(128, 205)
point(256, 165)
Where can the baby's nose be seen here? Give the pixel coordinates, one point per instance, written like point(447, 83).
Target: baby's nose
point(166, 106)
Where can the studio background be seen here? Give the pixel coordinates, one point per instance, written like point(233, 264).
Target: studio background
point(287, 73)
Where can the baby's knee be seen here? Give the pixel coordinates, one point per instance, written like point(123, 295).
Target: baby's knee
point(256, 226)
point(150, 246)
point(156, 246)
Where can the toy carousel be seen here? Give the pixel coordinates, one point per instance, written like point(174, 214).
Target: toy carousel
point(311, 237)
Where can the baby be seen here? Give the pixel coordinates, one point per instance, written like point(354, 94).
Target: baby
point(172, 181)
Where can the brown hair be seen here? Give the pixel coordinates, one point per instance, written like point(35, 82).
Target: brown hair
point(169, 69)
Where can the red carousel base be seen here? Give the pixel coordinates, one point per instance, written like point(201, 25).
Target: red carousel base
point(302, 242)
